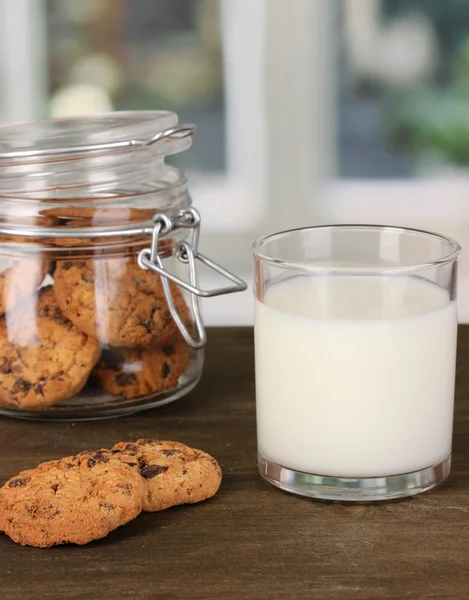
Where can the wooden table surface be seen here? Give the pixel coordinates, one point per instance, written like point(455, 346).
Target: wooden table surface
point(250, 540)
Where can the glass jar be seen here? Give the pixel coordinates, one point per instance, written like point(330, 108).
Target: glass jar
point(99, 310)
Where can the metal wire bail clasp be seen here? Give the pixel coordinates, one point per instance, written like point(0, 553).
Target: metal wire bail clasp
point(187, 253)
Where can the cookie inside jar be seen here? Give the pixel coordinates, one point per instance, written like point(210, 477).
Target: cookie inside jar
point(85, 330)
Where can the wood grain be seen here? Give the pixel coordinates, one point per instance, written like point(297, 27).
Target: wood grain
point(251, 540)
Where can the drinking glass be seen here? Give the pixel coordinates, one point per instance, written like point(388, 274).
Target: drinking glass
point(355, 346)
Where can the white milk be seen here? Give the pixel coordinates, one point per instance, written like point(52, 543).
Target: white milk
point(355, 375)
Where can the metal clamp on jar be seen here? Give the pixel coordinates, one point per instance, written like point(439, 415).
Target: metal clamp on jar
point(99, 312)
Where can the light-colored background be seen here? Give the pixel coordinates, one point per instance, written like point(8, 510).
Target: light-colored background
point(309, 111)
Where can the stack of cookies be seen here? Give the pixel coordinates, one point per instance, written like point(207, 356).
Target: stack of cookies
point(124, 308)
point(104, 322)
point(82, 498)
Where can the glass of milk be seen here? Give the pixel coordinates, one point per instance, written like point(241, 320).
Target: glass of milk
point(355, 344)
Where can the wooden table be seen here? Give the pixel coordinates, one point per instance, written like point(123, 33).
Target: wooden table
point(250, 540)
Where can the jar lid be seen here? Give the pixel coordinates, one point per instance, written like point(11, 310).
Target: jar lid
point(110, 132)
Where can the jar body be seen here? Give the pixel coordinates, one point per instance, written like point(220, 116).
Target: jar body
point(85, 330)
point(87, 334)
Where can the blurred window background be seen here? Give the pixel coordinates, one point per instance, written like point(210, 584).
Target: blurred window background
point(140, 54)
point(308, 112)
point(403, 87)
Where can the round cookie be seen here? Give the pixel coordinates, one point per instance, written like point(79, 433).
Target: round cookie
point(174, 473)
point(44, 358)
point(115, 301)
point(134, 373)
point(72, 500)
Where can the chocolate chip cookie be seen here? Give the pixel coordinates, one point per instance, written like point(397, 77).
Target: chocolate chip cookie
point(174, 473)
point(134, 372)
point(115, 301)
point(82, 498)
point(72, 500)
point(44, 358)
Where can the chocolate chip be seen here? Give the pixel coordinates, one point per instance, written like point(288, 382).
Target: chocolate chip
point(20, 482)
point(124, 379)
point(151, 471)
point(169, 350)
point(5, 366)
point(127, 487)
point(101, 458)
point(165, 370)
point(39, 387)
point(98, 457)
point(170, 452)
point(60, 319)
point(55, 487)
point(21, 386)
point(107, 507)
point(67, 265)
point(130, 448)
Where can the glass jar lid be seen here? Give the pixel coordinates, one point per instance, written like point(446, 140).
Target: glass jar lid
point(89, 173)
point(107, 133)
